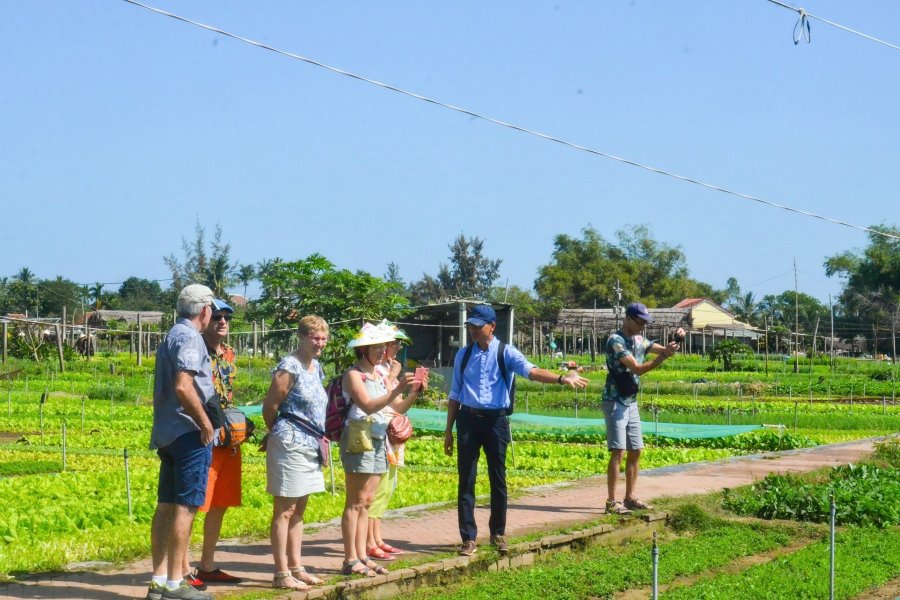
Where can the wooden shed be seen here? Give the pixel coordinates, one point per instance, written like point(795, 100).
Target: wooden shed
point(438, 331)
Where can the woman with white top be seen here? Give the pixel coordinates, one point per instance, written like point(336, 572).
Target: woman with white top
point(363, 440)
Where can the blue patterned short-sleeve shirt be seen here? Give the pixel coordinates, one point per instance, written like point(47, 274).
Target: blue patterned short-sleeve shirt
point(306, 399)
point(617, 346)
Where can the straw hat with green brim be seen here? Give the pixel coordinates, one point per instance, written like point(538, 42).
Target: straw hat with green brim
point(371, 335)
point(401, 336)
point(398, 333)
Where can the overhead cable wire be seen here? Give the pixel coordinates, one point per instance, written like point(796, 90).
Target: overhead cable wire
point(802, 26)
point(513, 126)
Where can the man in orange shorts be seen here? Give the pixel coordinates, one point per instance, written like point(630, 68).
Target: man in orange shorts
point(224, 485)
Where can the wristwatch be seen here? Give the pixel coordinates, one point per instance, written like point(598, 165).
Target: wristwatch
point(560, 380)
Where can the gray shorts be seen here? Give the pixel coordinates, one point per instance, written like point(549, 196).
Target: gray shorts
point(623, 426)
point(373, 462)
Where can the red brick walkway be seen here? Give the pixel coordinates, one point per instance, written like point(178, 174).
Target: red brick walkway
point(428, 531)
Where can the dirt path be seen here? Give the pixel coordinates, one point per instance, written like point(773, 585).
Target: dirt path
point(889, 591)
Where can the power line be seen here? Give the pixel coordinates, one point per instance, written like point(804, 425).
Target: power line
point(512, 126)
point(802, 26)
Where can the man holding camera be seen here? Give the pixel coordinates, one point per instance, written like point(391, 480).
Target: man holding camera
point(625, 352)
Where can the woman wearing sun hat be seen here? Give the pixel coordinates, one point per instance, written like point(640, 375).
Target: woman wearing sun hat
point(390, 369)
point(363, 440)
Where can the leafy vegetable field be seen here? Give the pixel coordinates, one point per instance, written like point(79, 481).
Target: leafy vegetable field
point(69, 503)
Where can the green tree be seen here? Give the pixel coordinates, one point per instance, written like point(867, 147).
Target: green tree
point(314, 285)
point(210, 266)
point(22, 293)
point(779, 309)
point(245, 274)
point(96, 292)
point(25, 275)
point(60, 292)
point(584, 270)
point(470, 274)
point(726, 352)
point(871, 284)
point(746, 308)
point(136, 293)
point(526, 305)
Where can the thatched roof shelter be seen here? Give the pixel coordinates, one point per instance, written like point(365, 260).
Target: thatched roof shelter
point(102, 318)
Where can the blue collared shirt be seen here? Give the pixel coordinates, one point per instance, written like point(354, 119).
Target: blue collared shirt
point(482, 385)
point(182, 350)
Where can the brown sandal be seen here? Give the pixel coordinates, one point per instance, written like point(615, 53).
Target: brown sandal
point(301, 574)
point(286, 581)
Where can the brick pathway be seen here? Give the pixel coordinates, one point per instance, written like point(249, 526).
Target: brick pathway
point(424, 530)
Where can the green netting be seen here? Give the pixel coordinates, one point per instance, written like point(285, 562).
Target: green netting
point(436, 420)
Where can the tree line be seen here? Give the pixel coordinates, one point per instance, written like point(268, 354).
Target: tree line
point(582, 272)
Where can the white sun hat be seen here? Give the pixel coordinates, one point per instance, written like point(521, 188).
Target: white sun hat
point(371, 335)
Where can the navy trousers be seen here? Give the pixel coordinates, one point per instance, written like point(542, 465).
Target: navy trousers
point(473, 433)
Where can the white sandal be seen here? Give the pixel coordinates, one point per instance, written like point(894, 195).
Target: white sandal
point(286, 581)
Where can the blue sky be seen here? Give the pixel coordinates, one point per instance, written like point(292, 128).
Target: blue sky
point(119, 128)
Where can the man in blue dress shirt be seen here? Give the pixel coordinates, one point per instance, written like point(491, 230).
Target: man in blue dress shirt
point(479, 406)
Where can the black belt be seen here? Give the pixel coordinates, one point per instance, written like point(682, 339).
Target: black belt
point(480, 412)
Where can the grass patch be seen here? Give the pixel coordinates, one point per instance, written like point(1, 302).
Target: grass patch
point(601, 571)
point(15, 468)
point(865, 559)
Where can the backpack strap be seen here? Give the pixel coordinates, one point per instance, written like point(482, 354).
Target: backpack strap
point(467, 354)
point(501, 364)
point(501, 361)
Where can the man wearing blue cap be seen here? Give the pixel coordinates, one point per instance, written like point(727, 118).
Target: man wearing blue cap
point(625, 351)
point(480, 402)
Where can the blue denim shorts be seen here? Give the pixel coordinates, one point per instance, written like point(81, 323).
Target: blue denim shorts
point(184, 471)
point(623, 426)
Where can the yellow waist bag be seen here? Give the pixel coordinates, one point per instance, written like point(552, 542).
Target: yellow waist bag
point(359, 436)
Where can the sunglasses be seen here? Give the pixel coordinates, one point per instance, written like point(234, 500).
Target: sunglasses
point(220, 317)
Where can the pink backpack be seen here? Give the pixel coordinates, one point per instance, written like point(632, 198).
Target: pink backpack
point(337, 408)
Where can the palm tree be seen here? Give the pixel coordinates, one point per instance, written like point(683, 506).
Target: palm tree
point(245, 274)
point(746, 307)
point(96, 291)
point(25, 275)
point(217, 275)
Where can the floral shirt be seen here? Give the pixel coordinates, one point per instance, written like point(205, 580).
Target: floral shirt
point(223, 370)
point(306, 399)
point(617, 346)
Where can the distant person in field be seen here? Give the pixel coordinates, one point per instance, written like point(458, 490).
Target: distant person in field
point(223, 488)
point(182, 436)
point(480, 401)
point(625, 352)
